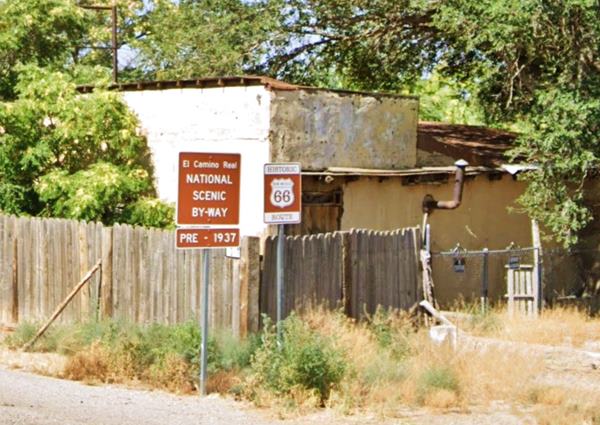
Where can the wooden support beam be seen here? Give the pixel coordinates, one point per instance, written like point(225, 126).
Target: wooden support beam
point(435, 313)
point(63, 305)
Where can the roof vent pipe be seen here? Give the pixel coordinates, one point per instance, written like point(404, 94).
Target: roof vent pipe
point(429, 203)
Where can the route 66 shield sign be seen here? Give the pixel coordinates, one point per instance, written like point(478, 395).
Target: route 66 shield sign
point(283, 193)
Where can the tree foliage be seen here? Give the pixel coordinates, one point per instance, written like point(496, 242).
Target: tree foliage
point(189, 38)
point(42, 32)
point(535, 63)
point(73, 156)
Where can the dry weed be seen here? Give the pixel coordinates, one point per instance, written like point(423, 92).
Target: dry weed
point(441, 399)
point(89, 365)
point(223, 381)
point(556, 326)
point(557, 406)
point(551, 396)
point(428, 375)
point(173, 374)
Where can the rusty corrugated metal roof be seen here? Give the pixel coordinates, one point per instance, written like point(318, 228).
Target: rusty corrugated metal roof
point(480, 146)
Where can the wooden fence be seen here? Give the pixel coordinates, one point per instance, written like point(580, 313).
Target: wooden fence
point(143, 278)
point(357, 270)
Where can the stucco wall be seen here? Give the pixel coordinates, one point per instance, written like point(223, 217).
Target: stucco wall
point(483, 220)
point(324, 129)
point(229, 119)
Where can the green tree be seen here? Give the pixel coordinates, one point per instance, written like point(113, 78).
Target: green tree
point(192, 38)
point(41, 32)
point(67, 155)
point(535, 63)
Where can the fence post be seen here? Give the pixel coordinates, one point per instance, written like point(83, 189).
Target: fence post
point(105, 294)
point(484, 281)
point(537, 268)
point(83, 268)
point(346, 295)
point(15, 282)
point(249, 285)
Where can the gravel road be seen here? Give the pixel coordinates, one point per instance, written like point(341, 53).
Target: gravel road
point(27, 399)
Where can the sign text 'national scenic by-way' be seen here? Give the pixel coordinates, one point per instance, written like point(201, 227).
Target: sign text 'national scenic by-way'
point(209, 189)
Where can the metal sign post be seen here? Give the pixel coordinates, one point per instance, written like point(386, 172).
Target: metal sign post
point(204, 321)
point(208, 196)
point(283, 205)
point(280, 265)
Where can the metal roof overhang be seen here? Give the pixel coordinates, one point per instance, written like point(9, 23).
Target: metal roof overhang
point(371, 172)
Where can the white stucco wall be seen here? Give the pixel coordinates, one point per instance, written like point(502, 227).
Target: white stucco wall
point(227, 119)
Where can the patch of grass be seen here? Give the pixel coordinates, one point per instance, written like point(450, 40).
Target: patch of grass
point(159, 355)
point(557, 406)
point(438, 378)
point(550, 395)
point(22, 334)
point(438, 386)
point(392, 331)
point(383, 368)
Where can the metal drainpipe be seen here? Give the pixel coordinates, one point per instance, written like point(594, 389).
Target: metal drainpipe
point(429, 203)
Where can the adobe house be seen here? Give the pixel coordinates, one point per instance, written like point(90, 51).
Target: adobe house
point(367, 161)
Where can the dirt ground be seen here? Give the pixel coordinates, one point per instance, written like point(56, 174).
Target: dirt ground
point(27, 398)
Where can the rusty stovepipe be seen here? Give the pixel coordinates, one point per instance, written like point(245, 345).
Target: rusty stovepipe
point(429, 203)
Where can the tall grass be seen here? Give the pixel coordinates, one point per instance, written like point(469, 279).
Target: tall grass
point(559, 326)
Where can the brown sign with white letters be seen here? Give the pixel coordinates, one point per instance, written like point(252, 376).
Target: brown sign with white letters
point(209, 189)
point(190, 237)
point(283, 193)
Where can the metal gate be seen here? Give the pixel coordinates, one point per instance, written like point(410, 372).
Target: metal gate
point(513, 273)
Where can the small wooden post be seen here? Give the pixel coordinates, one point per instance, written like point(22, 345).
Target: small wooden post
point(105, 292)
point(510, 281)
point(83, 267)
point(537, 268)
point(15, 282)
point(249, 286)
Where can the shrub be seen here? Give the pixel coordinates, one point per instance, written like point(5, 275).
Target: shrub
point(304, 361)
